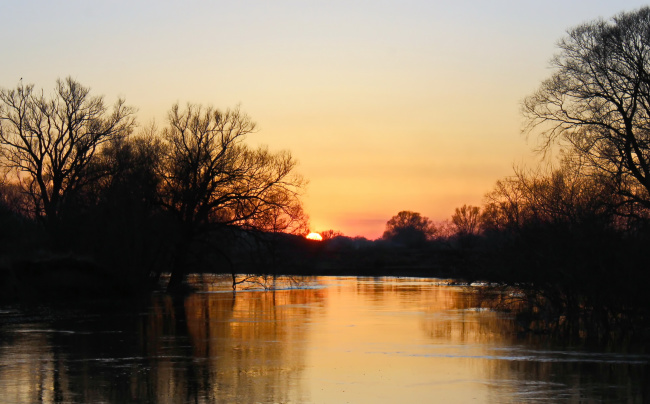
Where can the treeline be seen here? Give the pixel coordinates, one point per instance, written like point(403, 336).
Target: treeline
point(84, 188)
point(571, 251)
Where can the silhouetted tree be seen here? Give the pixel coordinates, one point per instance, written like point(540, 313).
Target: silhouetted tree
point(505, 206)
point(467, 219)
point(409, 228)
point(563, 195)
point(12, 199)
point(211, 178)
point(123, 212)
point(49, 142)
point(281, 212)
point(134, 169)
point(16, 228)
point(597, 103)
point(330, 234)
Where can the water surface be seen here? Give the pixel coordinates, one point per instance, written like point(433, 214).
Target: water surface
point(317, 340)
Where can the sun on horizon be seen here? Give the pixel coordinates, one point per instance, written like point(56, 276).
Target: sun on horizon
point(314, 237)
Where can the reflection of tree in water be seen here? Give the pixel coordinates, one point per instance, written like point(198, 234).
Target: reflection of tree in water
point(530, 367)
point(64, 357)
point(242, 347)
point(454, 314)
point(32, 373)
point(378, 289)
point(583, 378)
point(517, 368)
point(451, 313)
point(204, 348)
point(254, 341)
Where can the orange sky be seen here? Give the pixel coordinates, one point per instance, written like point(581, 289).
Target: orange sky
point(388, 106)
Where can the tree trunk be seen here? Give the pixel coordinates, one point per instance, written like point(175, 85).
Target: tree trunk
point(179, 269)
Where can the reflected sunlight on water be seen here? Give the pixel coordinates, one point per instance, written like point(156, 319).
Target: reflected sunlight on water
point(316, 340)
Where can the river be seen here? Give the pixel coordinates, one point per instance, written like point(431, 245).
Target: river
point(312, 340)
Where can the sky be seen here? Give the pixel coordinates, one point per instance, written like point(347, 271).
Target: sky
point(387, 105)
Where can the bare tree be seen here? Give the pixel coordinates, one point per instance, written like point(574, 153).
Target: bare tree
point(12, 199)
point(597, 103)
point(561, 195)
point(504, 206)
point(282, 214)
point(49, 142)
point(467, 219)
point(330, 234)
point(211, 178)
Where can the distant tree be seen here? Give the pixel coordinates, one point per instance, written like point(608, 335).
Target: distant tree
point(212, 179)
point(330, 234)
point(445, 230)
point(597, 102)
point(504, 206)
point(12, 199)
point(467, 219)
point(50, 142)
point(562, 195)
point(409, 228)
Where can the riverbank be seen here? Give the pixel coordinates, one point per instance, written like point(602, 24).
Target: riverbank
point(62, 278)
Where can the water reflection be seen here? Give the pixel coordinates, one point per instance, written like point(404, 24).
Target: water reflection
point(344, 339)
point(242, 347)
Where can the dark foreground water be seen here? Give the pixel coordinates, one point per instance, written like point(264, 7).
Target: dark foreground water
point(325, 340)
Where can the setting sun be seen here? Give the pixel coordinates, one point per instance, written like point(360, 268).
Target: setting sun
point(314, 236)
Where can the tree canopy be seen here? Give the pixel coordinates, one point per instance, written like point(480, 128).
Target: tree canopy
point(49, 142)
point(467, 219)
point(409, 228)
point(211, 177)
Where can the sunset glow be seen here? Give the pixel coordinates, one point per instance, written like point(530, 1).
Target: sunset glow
point(314, 237)
point(387, 107)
